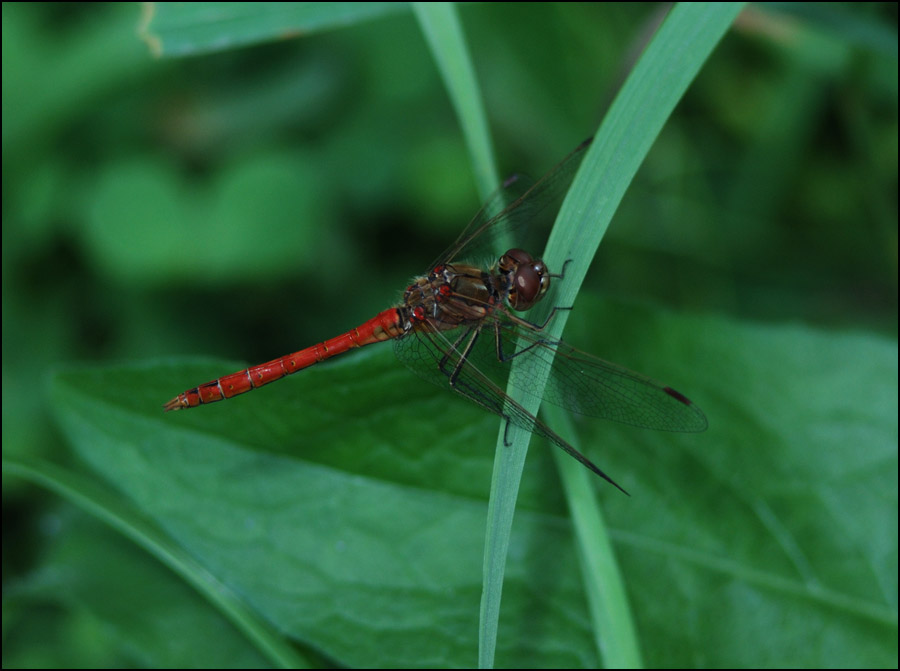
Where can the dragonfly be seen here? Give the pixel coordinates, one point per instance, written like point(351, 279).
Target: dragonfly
point(459, 326)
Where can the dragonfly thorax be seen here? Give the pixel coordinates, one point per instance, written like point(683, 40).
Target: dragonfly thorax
point(453, 295)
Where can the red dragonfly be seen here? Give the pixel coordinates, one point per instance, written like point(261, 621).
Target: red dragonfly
point(456, 327)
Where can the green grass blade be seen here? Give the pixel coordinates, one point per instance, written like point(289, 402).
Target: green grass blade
point(614, 629)
point(441, 27)
point(668, 65)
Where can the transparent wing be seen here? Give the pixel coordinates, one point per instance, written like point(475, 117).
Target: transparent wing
point(576, 380)
point(519, 204)
point(583, 383)
point(443, 358)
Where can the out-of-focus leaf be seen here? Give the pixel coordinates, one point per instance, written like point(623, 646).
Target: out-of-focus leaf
point(182, 28)
point(145, 226)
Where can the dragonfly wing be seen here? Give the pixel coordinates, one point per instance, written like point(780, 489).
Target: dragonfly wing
point(439, 356)
point(443, 358)
point(519, 204)
point(583, 383)
point(484, 237)
point(592, 386)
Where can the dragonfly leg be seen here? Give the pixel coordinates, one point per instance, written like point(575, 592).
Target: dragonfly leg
point(463, 356)
point(450, 351)
point(503, 356)
point(453, 374)
point(531, 326)
point(560, 275)
point(459, 381)
point(506, 441)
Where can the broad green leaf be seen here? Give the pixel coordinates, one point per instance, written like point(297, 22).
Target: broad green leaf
point(346, 504)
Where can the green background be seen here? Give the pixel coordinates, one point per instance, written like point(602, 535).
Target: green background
point(256, 197)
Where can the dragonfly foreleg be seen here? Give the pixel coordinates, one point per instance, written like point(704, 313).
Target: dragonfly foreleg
point(531, 326)
point(560, 275)
point(503, 356)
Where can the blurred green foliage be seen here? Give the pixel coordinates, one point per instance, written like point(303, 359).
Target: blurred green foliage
point(247, 202)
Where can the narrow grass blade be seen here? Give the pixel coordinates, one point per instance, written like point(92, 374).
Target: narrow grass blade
point(604, 588)
point(668, 65)
point(441, 27)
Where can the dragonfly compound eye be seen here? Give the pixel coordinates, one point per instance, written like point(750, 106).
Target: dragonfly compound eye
point(529, 284)
point(514, 258)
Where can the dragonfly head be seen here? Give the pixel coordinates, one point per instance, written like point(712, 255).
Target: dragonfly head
point(527, 277)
